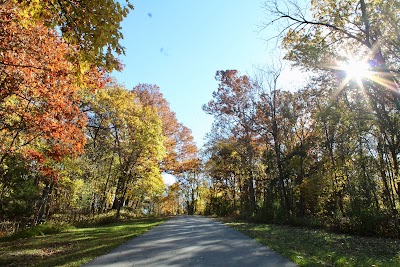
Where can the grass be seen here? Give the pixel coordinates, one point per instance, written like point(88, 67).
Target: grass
point(71, 246)
point(311, 247)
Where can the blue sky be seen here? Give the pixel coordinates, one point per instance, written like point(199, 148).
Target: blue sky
point(180, 44)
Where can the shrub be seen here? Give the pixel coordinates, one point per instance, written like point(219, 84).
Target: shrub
point(39, 230)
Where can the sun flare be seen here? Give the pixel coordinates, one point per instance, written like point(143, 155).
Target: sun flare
point(355, 70)
point(362, 70)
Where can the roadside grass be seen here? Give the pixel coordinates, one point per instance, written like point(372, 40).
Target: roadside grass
point(315, 247)
point(71, 246)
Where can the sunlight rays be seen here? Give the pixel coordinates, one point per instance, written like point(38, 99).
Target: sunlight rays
point(367, 69)
point(385, 79)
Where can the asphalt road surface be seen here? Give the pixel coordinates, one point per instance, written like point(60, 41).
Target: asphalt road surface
point(191, 241)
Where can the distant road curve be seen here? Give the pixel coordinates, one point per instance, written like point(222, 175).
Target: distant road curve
point(191, 241)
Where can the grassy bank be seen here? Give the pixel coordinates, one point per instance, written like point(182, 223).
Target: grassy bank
point(310, 247)
point(73, 246)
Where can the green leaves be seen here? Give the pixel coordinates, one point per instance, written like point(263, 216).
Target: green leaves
point(92, 26)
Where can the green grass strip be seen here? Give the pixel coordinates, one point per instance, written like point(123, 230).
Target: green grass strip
point(72, 247)
point(311, 247)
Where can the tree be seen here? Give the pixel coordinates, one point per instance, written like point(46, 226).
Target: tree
point(347, 31)
point(92, 27)
point(134, 131)
point(171, 201)
point(40, 119)
point(233, 107)
point(188, 167)
point(223, 166)
point(150, 96)
point(39, 99)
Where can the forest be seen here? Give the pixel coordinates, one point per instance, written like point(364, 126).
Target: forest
point(74, 142)
point(327, 154)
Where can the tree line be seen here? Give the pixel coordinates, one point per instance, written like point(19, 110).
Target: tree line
point(75, 141)
point(326, 154)
point(72, 139)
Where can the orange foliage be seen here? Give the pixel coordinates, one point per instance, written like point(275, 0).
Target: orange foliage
point(39, 103)
point(150, 95)
point(180, 146)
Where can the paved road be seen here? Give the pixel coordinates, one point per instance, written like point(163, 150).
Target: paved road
point(191, 241)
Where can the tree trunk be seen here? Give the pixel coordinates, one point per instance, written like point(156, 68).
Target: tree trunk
point(43, 204)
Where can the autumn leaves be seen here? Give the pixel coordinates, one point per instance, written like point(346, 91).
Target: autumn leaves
point(39, 97)
point(71, 138)
point(328, 153)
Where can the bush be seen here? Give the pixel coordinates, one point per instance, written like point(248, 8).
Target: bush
point(104, 218)
point(39, 230)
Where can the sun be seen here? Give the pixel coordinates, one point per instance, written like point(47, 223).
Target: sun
point(355, 70)
point(360, 71)
point(367, 73)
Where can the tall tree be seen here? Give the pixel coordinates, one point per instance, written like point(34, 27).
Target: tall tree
point(151, 96)
point(355, 30)
point(39, 100)
point(137, 139)
point(40, 117)
point(233, 107)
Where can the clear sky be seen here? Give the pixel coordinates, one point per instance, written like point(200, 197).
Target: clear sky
point(180, 44)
